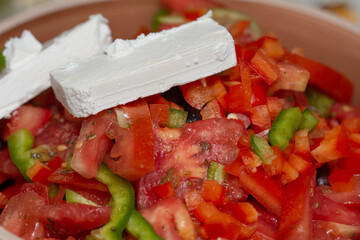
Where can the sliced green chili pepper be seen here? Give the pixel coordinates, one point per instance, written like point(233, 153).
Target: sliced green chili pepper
point(319, 102)
point(177, 118)
point(20, 144)
point(74, 197)
point(140, 228)
point(53, 190)
point(284, 127)
point(309, 121)
point(215, 172)
point(261, 147)
point(122, 205)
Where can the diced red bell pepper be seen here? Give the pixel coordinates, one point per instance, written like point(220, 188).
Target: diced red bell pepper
point(212, 191)
point(193, 13)
point(342, 180)
point(296, 211)
point(265, 190)
point(272, 47)
point(249, 158)
point(290, 173)
point(265, 66)
point(26, 116)
point(156, 99)
point(259, 95)
point(159, 114)
point(299, 163)
point(245, 212)
point(352, 162)
point(335, 145)
point(219, 224)
point(55, 163)
point(39, 172)
point(238, 28)
point(164, 190)
point(274, 107)
point(235, 100)
point(352, 125)
point(198, 93)
point(212, 110)
point(277, 163)
point(175, 106)
point(260, 118)
point(325, 78)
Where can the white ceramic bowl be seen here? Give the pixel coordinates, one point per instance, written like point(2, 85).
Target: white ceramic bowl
point(324, 37)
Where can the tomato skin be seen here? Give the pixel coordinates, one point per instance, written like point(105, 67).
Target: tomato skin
point(296, 212)
point(235, 100)
point(26, 116)
point(69, 177)
point(342, 180)
point(133, 154)
point(170, 219)
point(17, 218)
point(92, 144)
point(70, 219)
point(325, 78)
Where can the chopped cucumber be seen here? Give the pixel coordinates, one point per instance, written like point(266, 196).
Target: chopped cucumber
point(177, 118)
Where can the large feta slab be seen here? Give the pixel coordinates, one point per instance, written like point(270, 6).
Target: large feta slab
point(130, 69)
point(29, 62)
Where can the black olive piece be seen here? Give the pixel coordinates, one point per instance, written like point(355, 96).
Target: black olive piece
point(322, 175)
point(175, 95)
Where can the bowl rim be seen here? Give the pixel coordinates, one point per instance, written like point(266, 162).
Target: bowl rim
point(58, 5)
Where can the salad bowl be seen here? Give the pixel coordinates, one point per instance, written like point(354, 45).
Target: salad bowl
point(322, 36)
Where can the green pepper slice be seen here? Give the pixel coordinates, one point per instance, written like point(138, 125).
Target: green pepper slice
point(261, 147)
point(140, 228)
point(309, 120)
point(177, 118)
point(284, 127)
point(215, 172)
point(319, 102)
point(123, 199)
point(20, 144)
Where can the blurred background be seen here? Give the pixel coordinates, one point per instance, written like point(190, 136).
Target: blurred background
point(348, 9)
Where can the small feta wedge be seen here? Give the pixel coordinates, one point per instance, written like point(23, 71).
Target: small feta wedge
point(131, 69)
point(28, 62)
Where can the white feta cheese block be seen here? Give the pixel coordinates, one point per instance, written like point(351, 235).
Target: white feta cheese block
point(27, 79)
point(20, 50)
point(131, 69)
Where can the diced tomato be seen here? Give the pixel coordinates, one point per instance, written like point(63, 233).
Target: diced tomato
point(212, 191)
point(7, 166)
point(64, 176)
point(264, 231)
point(325, 78)
point(39, 172)
point(335, 145)
point(200, 92)
point(296, 212)
point(332, 230)
point(238, 28)
point(328, 210)
point(193, 14)
point(344, 112)
point(265, 66)
point(17, 216)
point(26, 116)
point(159, 114)
point(164, 190)
point(290, 173)
point(170, 219)
point(342, 180)
point(156, 99)
point(291, 77)
point(92, 144)
point(70, 219)
point(272, 47)
point(193, 199)
point(9, 192)
point(265, 190)
point(212, 110)
point(133, 155)
point(181, 6)
point(299, 163)
point(219, 224)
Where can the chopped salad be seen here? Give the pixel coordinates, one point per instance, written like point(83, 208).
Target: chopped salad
point(269, 149)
